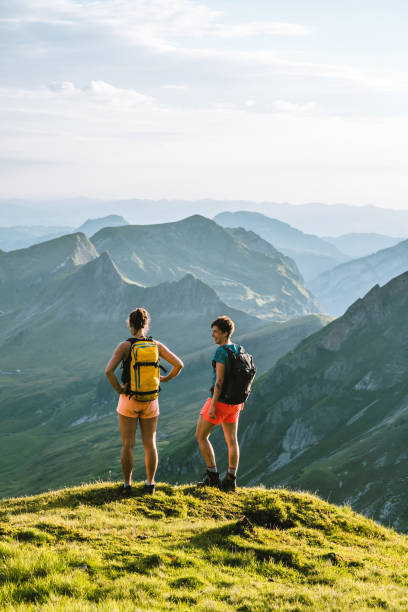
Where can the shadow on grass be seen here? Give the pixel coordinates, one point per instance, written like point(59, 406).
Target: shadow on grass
point(64, 498)
point(247, 545)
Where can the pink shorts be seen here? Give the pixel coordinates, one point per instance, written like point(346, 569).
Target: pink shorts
point(130, 407)
point(224, 413)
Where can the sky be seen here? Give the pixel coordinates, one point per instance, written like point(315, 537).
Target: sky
point(267, 101)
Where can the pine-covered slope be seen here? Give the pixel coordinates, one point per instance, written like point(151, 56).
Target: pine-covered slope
point(332, 415)
point(266, 285)
point(336, 289)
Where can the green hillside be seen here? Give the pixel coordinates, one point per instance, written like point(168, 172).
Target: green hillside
point(262, 284)
point(86, 549)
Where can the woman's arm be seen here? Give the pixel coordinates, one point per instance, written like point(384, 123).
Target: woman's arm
point(219, 381)
point(175, 361)
point(119, 354)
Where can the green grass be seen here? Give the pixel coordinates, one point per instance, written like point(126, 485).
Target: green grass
point(86, 549)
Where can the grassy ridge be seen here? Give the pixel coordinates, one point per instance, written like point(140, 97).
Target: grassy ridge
point(87, 549)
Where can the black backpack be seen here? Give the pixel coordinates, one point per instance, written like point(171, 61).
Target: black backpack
point(240, 375)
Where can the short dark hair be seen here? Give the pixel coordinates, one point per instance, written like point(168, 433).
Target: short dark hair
point(139, 318)
point(225, 324)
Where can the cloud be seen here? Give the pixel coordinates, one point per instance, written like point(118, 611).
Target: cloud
point(293, 108)
point(108, 140)
point(170, 87)
point(101, 91)
point(259, 28)
point(184, 30)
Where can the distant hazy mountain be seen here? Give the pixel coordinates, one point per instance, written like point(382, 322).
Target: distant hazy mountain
point(320, 219)
point(91, 226)
point(360, 245)
point(341, 286)
point(276, 232)
point(266, 285)
point(336, 219)
point(20, 236)
point(312, 254)
point(332, 415)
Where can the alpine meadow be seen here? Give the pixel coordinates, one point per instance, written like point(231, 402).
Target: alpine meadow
point(203, 306)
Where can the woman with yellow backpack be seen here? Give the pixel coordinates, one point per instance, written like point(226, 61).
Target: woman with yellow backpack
point(138, 394)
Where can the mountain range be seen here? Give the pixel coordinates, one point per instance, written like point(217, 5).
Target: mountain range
point(20, 236)
point(266, 285)
point(328, 414)
point(320, 219)
point(336, 289)
point(312, 254)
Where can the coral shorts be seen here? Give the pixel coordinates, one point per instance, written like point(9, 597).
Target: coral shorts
point(224, 413)
point(130, 407)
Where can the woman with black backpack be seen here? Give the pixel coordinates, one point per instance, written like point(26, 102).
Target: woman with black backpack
point(233, 373)
point(138, 394)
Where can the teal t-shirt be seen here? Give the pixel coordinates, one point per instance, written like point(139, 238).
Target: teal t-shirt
point(221, 355)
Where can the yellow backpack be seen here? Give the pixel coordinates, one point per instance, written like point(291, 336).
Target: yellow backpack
point(141, 370)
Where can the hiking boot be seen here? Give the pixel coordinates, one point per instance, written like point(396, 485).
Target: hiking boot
point(125, 491)
point(229, 482)
point(211, 479)
point(148, 489)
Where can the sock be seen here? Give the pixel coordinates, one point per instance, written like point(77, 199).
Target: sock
point(126, 485)
point(232, 471)
point(212, 469)
point(148, 483)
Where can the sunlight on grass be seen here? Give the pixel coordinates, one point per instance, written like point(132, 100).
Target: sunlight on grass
point(85, 549)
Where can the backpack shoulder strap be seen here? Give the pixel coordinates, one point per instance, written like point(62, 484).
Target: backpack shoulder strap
point(230, 351)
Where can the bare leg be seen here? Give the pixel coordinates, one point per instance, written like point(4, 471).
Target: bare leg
point(230, 435)
point(127, 428)
point(148, 428)
point(204, 428)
